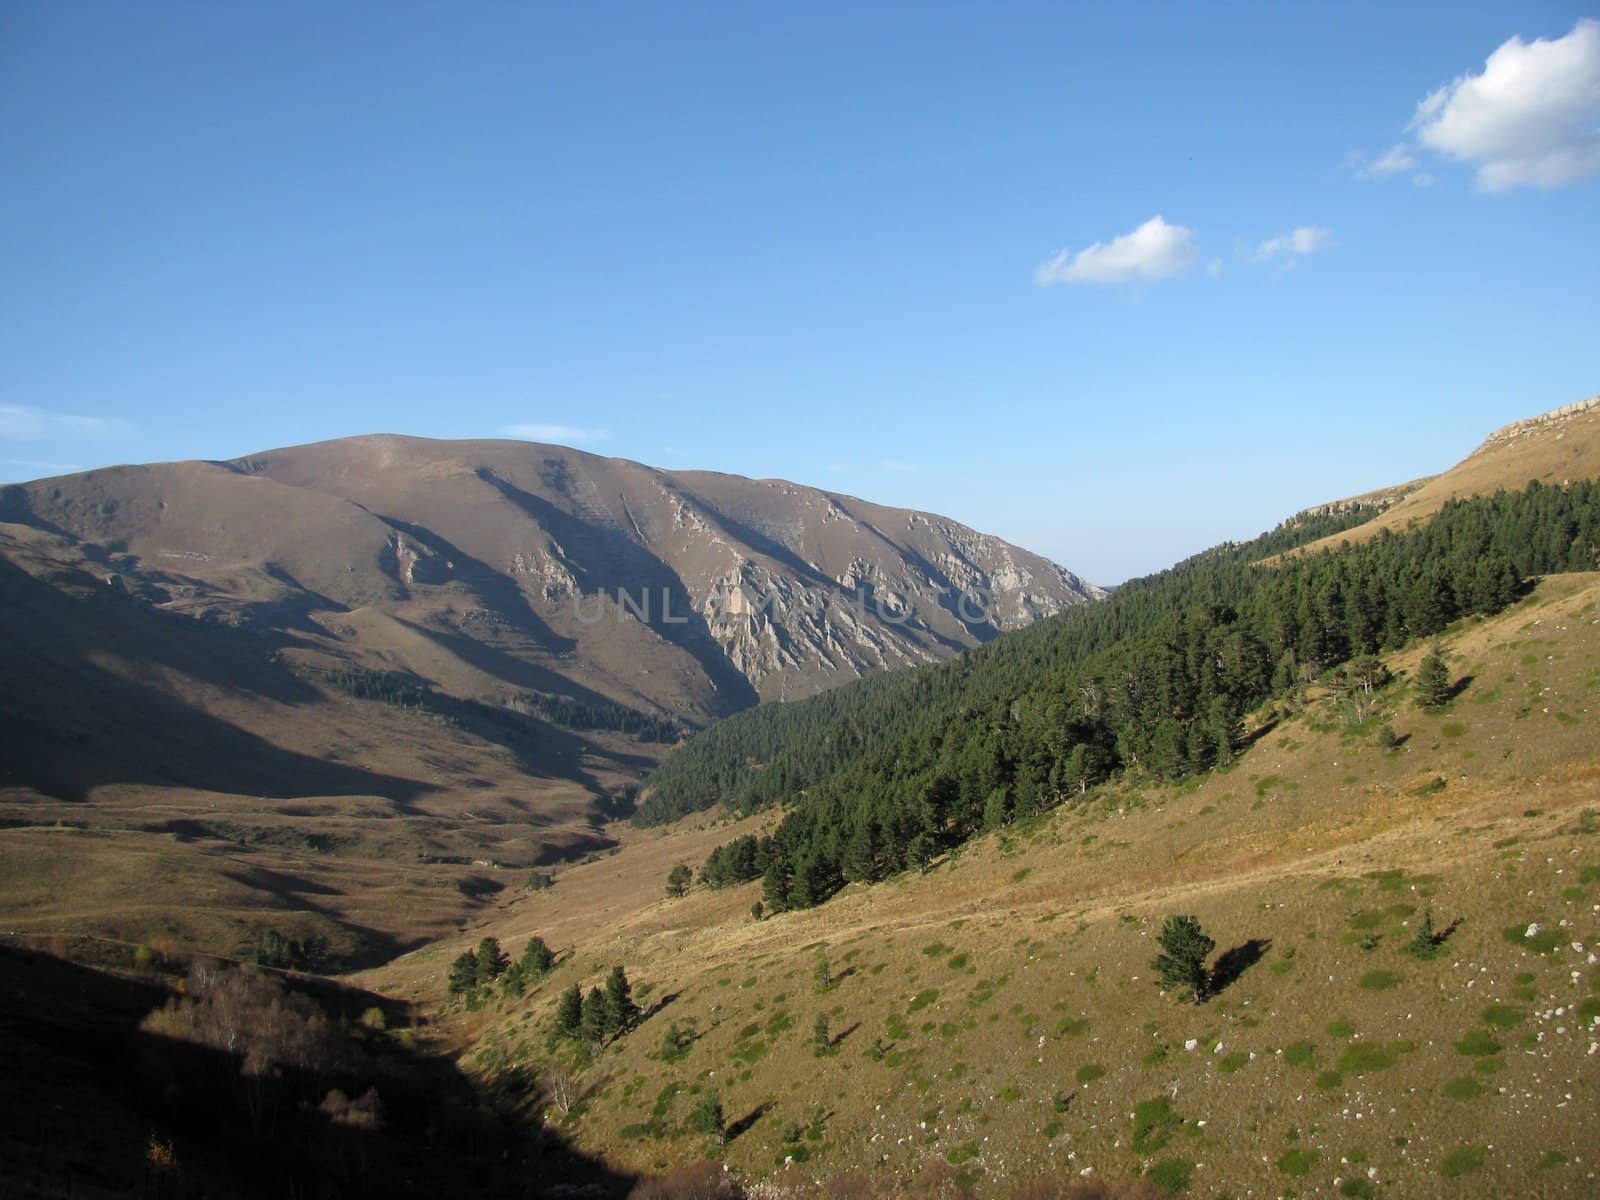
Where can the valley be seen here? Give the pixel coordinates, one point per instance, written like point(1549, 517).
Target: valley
point(1399, 875)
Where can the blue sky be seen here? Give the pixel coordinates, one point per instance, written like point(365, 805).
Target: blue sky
point(842, 244)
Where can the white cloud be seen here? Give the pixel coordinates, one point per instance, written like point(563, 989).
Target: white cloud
point(1531, 118)
point(569, 435)
point(21, 422)
point(1307, 239)
point(1214, 268)
point(1155, 250)
point(1392, 161)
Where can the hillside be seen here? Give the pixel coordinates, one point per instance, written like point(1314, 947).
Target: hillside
point(483, 565)
point(1559, 445)
point(354, 690)
point(998, 1012)
point(927, 904)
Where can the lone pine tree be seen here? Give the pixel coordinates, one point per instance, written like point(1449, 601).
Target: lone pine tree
point(1182, 965)
point(1433, 679)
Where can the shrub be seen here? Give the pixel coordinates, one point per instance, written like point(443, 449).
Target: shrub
point(706, 1116)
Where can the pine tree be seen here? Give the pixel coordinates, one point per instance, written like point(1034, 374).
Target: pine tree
point(569, 1012)
point(596, 1023)
point(514, 981)
point(537, 959)
point(675, 1042)
point(491, 960)
point(1225, 731)
point(1433, 679)
point(1186, 947)
point(678, 880)
point(619, 999)
point(821, 1039)
point(463, 974)
point(706, 1117)
point(775, 884)
point(1426, 943)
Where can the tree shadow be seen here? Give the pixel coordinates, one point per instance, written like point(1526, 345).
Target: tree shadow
point(658, 1006)
point(1256, 734)
point(1236, 962)
point(839, 1037)
point(1458, 687)
point(747, 1122)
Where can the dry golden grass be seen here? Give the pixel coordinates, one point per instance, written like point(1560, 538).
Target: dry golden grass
point(1550, 449)
point(1015, 978)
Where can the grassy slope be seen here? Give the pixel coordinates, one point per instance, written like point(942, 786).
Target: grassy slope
point(1007, 978)
point(1558, 446)
point(168, 781)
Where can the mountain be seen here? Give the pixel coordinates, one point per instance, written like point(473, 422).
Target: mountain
point(488, 564)
point(922, 955)
point(386, 670)
point(919, 953)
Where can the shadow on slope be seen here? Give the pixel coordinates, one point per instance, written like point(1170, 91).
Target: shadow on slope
point(73, 724)
point(117, 1087)
point(632, 567)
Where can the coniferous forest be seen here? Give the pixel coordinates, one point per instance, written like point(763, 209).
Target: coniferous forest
point(887, 774)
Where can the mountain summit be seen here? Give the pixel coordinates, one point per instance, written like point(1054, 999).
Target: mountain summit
point(481, 565)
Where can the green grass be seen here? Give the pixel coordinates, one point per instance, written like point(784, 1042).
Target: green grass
point(922, 999)
point(1478, 1044)
point(750, 1053)
point(1503, 1016)
point(1090, 1072)
point(1543, 941)
point(1301, 1054)
point(1174, 1174)
point(1464, 1087)
point(1380, 981)
point(1341, 1028)
point(1153, 1124)
point(1463, 1161)
point(1363, 1058)
point(1233, 1062)
point(1297, 1164)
